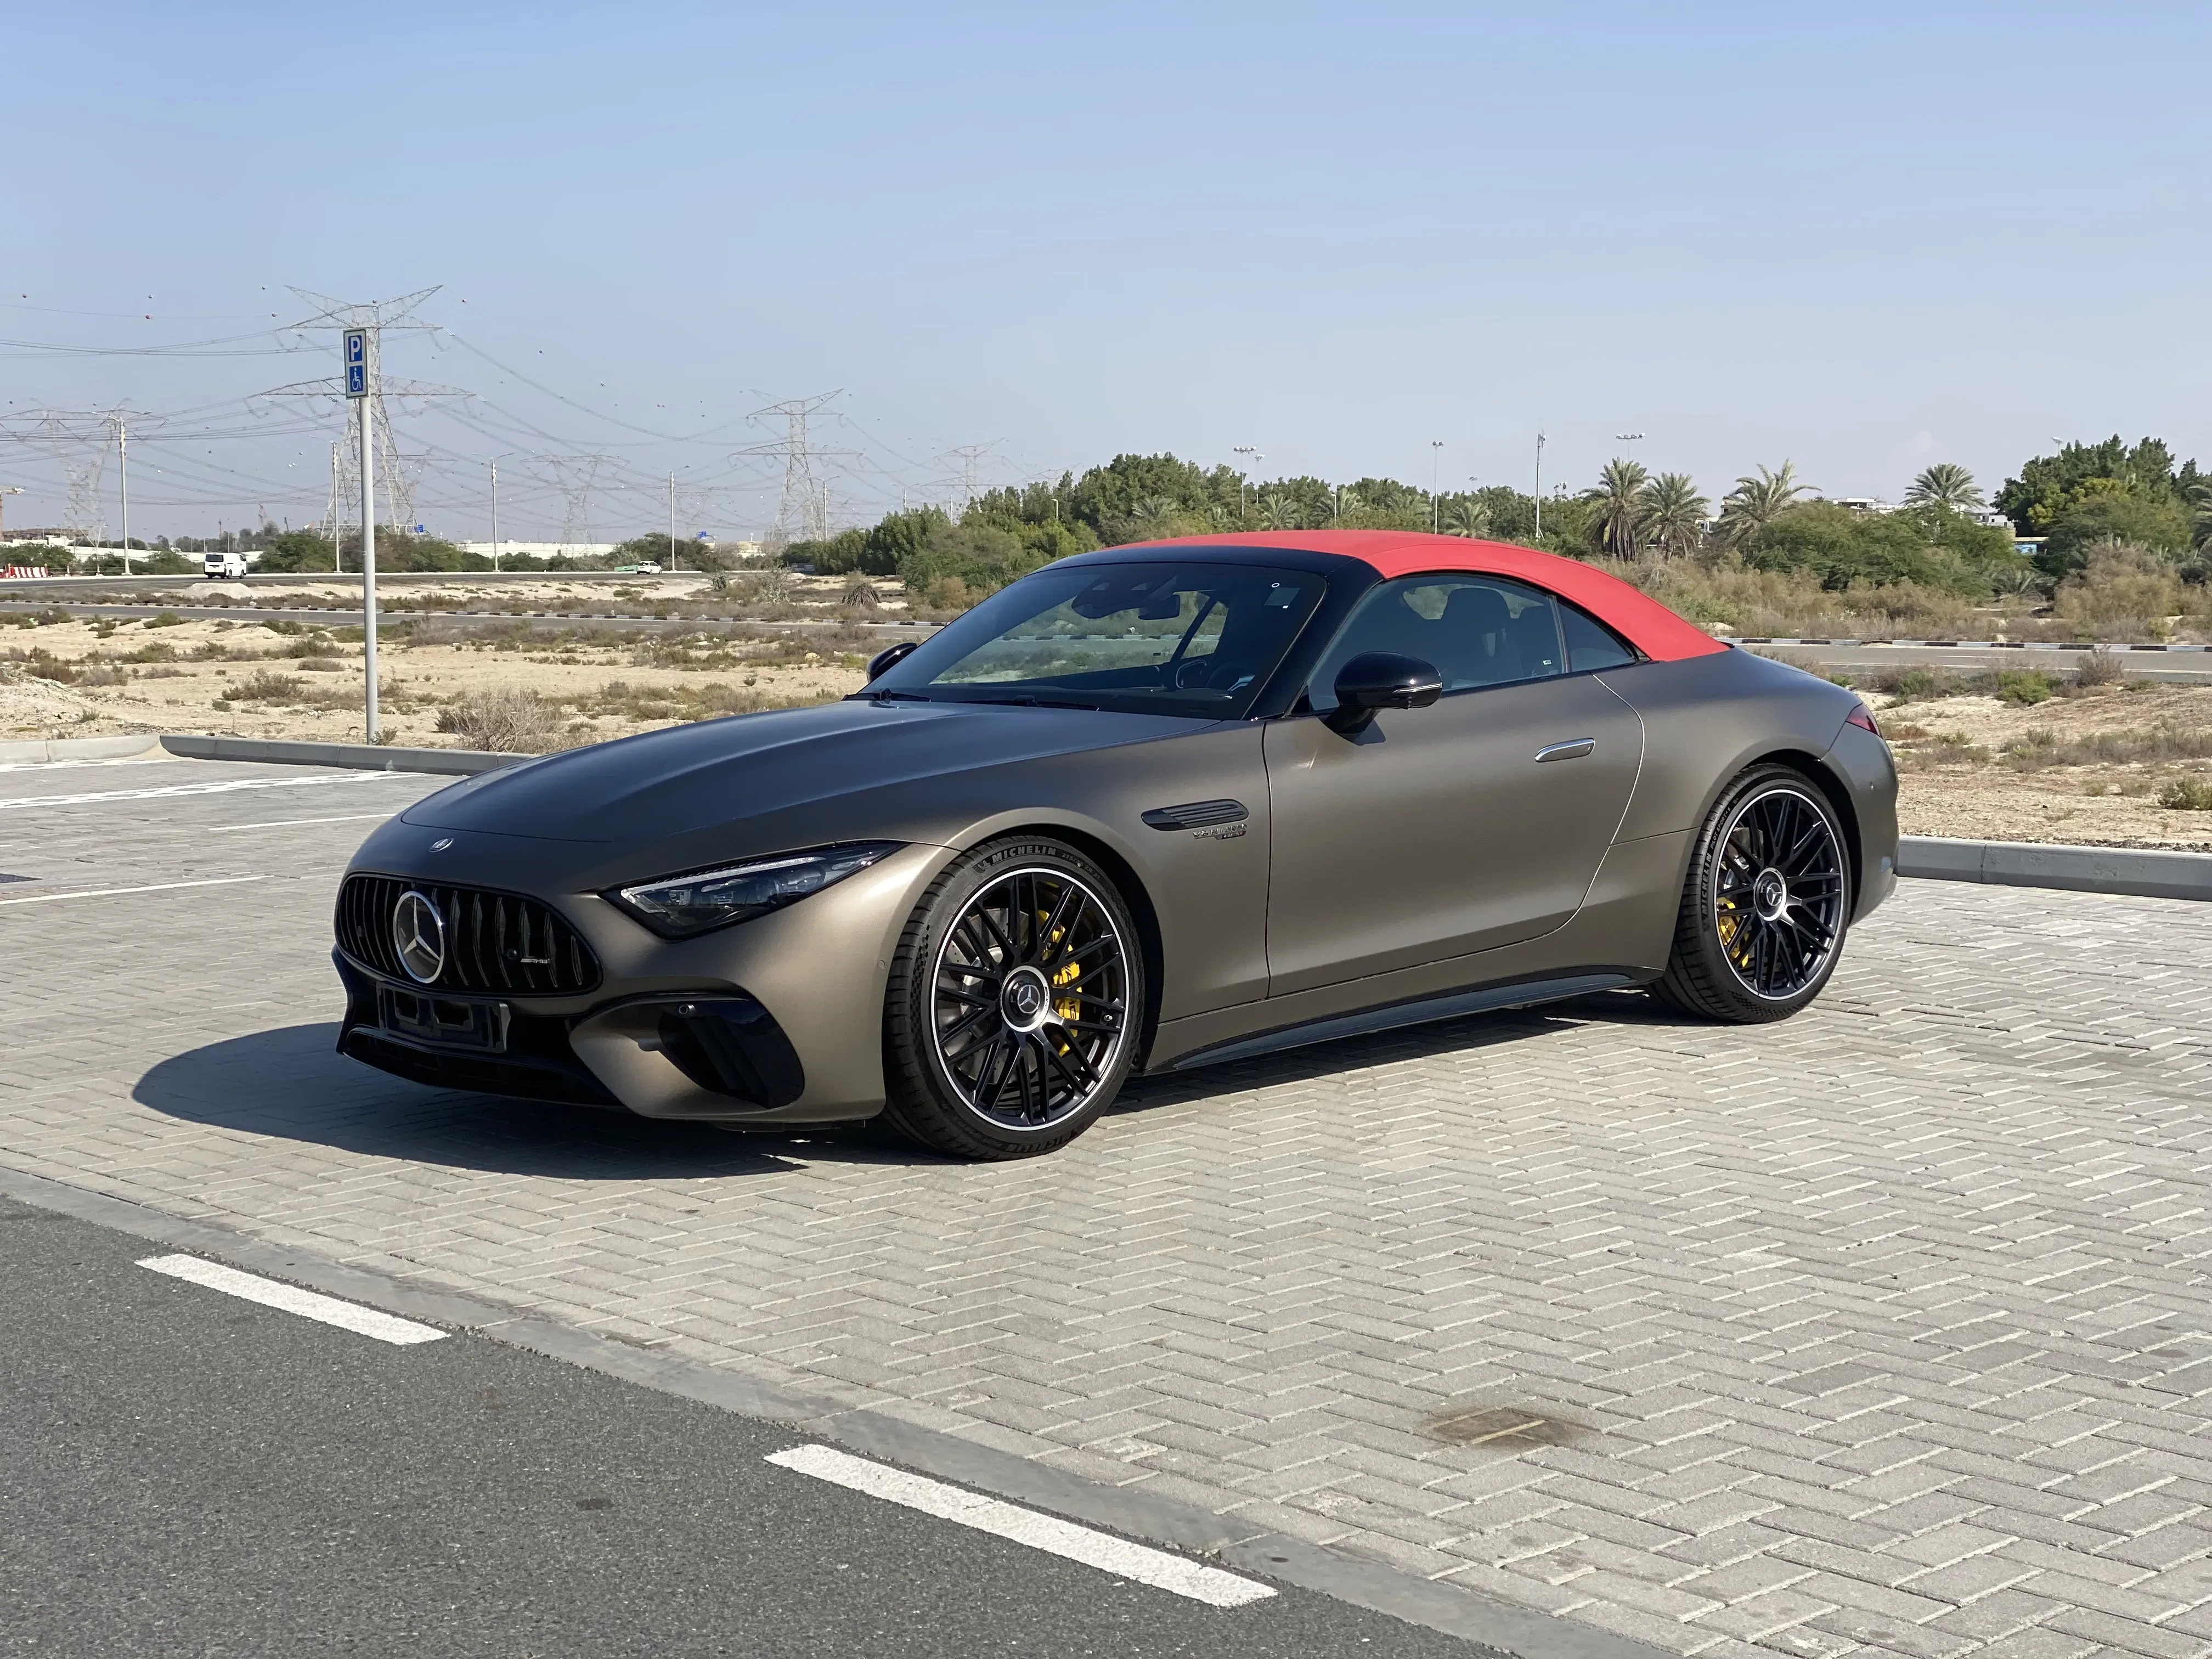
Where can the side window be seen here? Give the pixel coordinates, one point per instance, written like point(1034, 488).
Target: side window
point(1591, 645)
point(1474, 631)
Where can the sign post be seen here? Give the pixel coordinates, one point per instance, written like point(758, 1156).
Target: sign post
point(359, 355)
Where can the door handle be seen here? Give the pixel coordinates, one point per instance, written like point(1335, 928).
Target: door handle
point(1574, 749)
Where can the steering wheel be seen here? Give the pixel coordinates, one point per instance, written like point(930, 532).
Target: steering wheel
point(1193, 673)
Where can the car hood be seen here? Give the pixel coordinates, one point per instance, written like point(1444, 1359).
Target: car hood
point(668, 784)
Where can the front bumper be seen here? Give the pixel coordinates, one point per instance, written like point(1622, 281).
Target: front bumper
point(775, 1022)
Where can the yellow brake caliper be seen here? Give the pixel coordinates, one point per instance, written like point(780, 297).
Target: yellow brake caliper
point(1069, 978)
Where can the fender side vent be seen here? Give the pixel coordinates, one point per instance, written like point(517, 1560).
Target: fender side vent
point(1197, 815)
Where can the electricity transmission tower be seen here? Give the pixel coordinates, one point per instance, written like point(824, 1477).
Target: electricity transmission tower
point(575, 477)
point(969, 457)
point(79, 443)
point(802, 512)
point(379, 317)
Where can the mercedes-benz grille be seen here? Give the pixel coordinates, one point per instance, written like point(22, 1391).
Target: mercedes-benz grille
point(492, 941)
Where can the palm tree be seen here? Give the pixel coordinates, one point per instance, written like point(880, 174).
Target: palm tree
point(1674, 515)
point(1617, 526)
point(1945, 484)
point(1466, 517)
point(1278, 511)
point(1754, 502)
point(2200, 501)
point(1155, 512)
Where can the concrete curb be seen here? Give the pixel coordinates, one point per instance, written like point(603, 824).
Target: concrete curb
point(40, 751)
point(2145, 872)
point(1506, 1630)
point(354, 757)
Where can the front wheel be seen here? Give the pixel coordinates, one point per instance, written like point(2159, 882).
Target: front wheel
point(1766, 904)
point(1012, 1012)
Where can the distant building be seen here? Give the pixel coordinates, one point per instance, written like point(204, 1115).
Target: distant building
point(1988, 515)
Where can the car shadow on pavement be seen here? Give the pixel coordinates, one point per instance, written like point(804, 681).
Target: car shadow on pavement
point(1407, 1042)
point(291, 1084)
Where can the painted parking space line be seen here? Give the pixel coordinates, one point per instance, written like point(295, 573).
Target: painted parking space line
point(154, 887)
point(291, 824)
point(74, 765)
point(162, 792)
point(290, 1298)
point(1173, 1573)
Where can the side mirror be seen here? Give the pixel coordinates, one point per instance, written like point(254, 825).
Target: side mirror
point(883, 659)
point(1376, 680)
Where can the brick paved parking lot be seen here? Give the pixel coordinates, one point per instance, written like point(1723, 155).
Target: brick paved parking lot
point(1885, 1329)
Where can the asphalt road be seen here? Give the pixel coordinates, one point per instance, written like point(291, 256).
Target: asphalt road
point(2177, 667)
point(186, 1472)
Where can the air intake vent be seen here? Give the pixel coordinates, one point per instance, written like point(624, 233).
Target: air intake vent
point(1197, 815)
point(494, 942)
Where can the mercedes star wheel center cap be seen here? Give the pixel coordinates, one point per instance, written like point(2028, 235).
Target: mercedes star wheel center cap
point(1771, 894)
point(418, 935)
point(1026, 1000)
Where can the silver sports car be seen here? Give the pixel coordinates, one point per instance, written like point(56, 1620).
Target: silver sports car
point(1145, 809)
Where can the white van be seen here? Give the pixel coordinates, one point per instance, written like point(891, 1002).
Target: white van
point(224, 567)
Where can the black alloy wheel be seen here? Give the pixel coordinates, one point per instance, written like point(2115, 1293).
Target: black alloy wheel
point(1013, 1003)
point(1766, 904)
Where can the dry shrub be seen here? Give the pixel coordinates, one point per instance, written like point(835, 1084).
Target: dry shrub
point(691, 702)
point(1792, 604)
point(2124, 592)
point(2100, 667)
point(262, 686)
point(509, 720)
point(2164, 742)
point(2187, 795)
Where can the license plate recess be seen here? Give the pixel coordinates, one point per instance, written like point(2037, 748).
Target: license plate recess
point(448, 1022)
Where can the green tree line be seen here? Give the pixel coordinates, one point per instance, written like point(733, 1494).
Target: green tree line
point(2084, 496)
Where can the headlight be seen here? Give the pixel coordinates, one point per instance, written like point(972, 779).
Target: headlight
point(678, 907)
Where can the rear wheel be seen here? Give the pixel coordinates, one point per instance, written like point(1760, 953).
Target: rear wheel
point(1010, 1020)
point(1766, 902)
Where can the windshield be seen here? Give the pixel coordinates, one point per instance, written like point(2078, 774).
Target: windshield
point(1170, 639)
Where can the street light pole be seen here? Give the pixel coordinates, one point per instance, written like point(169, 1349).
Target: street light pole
point(671, 521)
point(1436, 478)
point(495, 515)
point(123, 464)
point(1539, 489)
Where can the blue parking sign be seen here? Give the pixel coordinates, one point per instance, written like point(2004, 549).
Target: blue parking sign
point(356, 362)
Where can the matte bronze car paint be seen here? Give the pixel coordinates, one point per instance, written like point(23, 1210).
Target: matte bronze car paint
point(1433, 855)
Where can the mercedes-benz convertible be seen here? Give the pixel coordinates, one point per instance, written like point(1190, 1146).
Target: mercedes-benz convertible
point(1145, 809)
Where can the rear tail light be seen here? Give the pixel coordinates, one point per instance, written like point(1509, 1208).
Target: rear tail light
point(1862, 718)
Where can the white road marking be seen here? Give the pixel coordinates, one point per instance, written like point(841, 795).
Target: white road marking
point(288, 824)
point(270, 1293)
point(165, 791)
point(157, 887)
point(1158, 1568)
point(113, 760)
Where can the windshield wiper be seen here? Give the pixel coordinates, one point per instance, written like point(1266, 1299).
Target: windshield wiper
point(886, 695)
point(1026, 701)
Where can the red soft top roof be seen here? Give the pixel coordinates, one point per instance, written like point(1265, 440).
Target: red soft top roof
point(1648, 625)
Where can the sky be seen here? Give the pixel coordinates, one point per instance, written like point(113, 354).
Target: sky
point(1862, 237)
